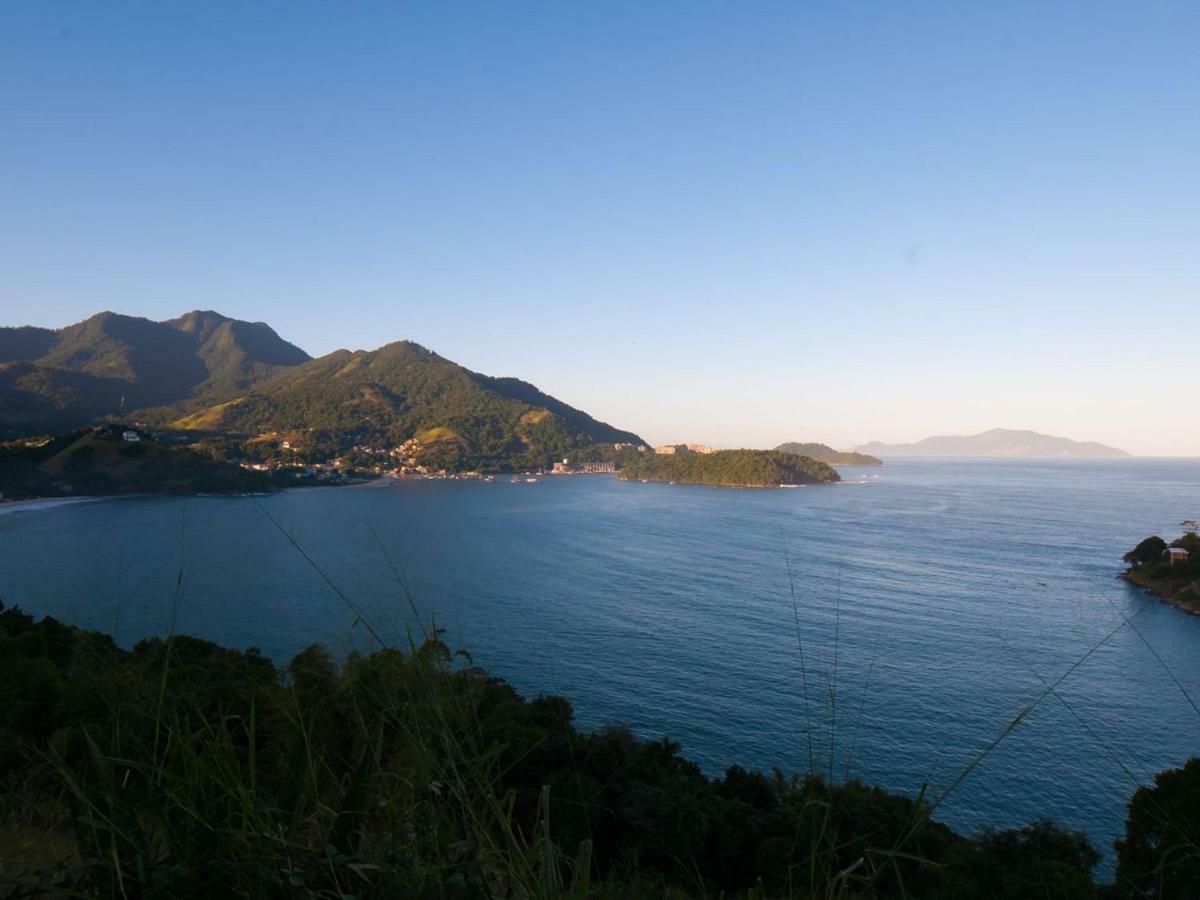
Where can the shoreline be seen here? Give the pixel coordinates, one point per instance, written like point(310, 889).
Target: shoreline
point(38, 503)
point(1190, 609)
point(755, 487)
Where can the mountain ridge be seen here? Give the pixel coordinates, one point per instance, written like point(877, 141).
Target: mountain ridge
point(998, 442)
point(111, 363)
point(207, 373)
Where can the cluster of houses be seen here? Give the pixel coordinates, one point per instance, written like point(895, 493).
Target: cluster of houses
point(401, 460)
point(566, 467)
point(672, 449)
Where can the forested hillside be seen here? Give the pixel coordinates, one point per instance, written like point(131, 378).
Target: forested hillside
point(111, 365)
point(238, 381)
point(99, 461)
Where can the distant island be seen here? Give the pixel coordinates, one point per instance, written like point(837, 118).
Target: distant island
point(728, 468)
point(1171, 571)
point(826, 454)
point(999, 442)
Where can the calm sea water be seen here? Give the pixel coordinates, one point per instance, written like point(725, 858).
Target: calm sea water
point(933, 601)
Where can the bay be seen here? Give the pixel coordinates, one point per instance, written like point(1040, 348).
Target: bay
point(888, 628)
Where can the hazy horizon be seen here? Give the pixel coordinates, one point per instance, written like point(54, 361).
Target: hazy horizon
point(701, 223)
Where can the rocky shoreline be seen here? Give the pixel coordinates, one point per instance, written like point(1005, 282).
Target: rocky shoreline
point(1160, 594)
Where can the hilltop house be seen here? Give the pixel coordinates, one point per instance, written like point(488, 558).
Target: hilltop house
point(1177, 555)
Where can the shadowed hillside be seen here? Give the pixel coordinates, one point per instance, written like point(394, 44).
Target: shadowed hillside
point(111, 364)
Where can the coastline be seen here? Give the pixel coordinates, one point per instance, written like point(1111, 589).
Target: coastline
point(39, 503)
point(34, 504)
point(713, 484)
point(1189, 608)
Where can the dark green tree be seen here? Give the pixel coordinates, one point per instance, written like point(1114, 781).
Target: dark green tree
point(1148, 551)
point(1160, 854)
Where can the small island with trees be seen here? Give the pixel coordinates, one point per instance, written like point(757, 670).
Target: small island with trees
point(728, 468)
point(1171, 571)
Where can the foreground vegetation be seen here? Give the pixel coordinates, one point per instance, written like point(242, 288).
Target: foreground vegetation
point(734, 468)
point(1150, 567)
point(183, 769)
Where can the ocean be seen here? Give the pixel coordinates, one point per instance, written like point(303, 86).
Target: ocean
point(889, 628)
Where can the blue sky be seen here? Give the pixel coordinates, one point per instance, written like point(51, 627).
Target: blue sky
point(731, 223)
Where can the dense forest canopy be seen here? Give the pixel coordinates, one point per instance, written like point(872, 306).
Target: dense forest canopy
point(749, 468)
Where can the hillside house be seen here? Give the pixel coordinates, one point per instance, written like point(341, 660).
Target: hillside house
point(1177, 555)
point(130, 437)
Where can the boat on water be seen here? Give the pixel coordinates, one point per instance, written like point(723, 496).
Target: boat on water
point(516, 480)
point(531, 480)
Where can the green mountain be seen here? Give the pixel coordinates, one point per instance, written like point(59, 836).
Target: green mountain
point(207, 373)
point(109, 364)
point(826, 454)
point(401, 391)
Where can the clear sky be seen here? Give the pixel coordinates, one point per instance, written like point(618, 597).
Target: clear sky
point(737, 223)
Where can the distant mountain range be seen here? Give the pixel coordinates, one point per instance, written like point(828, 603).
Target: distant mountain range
point(999, 442)
point(205, 372)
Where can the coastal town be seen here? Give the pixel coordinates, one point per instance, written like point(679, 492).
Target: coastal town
point(291, 455)
point(405, 460)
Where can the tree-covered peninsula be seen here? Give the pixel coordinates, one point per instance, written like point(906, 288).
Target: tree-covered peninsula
point(182, 769)
point(729, 468)
point(1168, 571)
